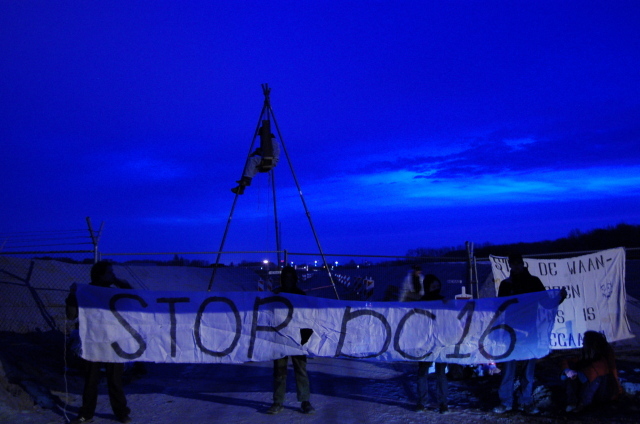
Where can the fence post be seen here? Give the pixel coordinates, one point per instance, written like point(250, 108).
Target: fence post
point(470, 268)
point(95, 239)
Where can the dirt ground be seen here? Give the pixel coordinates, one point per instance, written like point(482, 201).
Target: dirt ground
point(35, 388)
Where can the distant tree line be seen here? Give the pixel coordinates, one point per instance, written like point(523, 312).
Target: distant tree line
point(621, 235)
point(176, 261)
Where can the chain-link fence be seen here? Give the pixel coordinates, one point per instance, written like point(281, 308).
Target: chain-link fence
point(34, 290)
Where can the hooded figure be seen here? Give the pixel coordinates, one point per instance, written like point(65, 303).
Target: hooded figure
point(432, 287)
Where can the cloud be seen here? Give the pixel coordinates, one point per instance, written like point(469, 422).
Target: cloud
point(402, 189)
point(136, 167)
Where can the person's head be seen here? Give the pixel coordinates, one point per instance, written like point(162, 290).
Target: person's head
point(102, 274)
point(416, 270)
point(288, 278)
point(516, 263)
point(594, 345)
point(432, 284)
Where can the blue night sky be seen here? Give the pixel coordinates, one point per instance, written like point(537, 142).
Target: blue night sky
point(408, 123)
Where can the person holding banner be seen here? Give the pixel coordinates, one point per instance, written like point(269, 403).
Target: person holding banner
point(412, 288)
point(289, 284)
point(427, 288)
point(593, 376)
point(520, 281)
point(101, 275)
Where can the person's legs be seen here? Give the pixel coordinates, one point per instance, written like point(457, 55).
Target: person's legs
point(423, 383)
point(505, 392)
point(90, 392)
point(572, 387)
point(280, 379)
point(527, 377)
point(116, 393)
point(302, 383)
point(442, 384)
point(251, 168)
point(593, 390)
point(302, 378)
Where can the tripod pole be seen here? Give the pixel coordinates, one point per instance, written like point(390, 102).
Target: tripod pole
point(265, 108)
point(224, 237)
point(275, 216)
point(304, 204)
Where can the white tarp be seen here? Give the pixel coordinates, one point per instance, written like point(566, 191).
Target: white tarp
point(596, 292)
point(204, 327)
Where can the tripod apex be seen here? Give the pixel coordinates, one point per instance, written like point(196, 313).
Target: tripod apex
point(266, 91)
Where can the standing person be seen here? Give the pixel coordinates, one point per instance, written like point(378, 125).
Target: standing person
point(520, 281)
point(593, 376)
point(289, 284)
point(412, 288)
point(432, 287)
point(101, 275)
point(427, 288)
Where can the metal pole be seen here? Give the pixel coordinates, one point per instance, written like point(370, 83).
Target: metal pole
point(235, 199)
point(95, 239)
point(275, 216)
point(304, 204)
point(475, 273)
point(224, 237)
point(267, 109)
point(470, 263)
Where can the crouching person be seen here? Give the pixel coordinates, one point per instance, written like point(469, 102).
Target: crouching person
point(592, 377)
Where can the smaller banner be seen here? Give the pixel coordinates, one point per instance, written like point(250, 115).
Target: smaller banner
point(596, 296)
point(234, 327)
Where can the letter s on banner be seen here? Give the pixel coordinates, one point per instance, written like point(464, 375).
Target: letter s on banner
point(116, 347)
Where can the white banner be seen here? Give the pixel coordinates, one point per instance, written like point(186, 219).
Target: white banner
point(234, 327)
point(596, 292)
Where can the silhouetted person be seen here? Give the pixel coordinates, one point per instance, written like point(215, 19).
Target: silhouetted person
point(520, 281)
point(101, 275)
point(427, 288)
point(289, 284)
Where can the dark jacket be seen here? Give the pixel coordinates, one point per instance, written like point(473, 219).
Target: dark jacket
point(294, 290)
point(520, 284)
point(71, 302)
point(432, 296)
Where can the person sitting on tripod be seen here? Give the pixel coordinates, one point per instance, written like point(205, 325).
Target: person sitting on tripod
point(263, 159)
